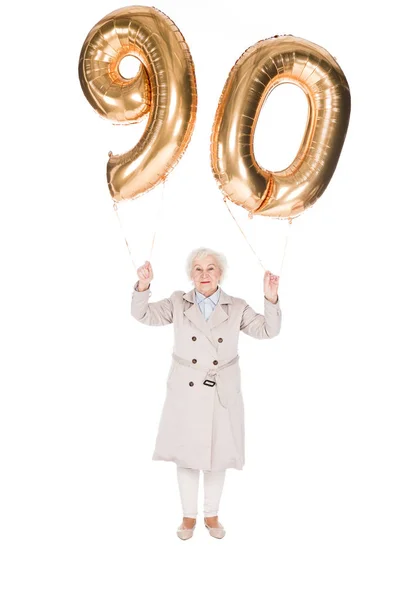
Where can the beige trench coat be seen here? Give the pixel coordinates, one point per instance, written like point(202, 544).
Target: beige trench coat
point(202, 425)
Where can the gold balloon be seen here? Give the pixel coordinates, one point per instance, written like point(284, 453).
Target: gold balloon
point(164, 91)
point(270, 62)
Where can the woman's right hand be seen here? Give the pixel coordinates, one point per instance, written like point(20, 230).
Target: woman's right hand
point(145, 274)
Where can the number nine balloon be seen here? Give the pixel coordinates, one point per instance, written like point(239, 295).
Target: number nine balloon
point(270, 62)
point(164, 91)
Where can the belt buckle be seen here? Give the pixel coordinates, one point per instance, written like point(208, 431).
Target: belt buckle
point(209, 383)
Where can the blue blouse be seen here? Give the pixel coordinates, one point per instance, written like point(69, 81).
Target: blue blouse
point(207, 305)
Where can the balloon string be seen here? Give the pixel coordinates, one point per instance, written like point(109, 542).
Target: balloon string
point(244, 235)
point(160, 206)
point(123, 233)
point(161, 202)
point(286, 243)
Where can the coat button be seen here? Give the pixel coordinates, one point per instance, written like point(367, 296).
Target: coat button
point(220, 340)
point(194, 338)
point(191, 383)
point(215, 362)
point(194, 360)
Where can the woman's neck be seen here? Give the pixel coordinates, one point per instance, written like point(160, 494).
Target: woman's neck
point(208, 294)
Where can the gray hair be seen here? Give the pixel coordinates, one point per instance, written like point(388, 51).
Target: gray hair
point(202, 253)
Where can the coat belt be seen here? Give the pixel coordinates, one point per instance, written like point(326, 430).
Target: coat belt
point(211, 374)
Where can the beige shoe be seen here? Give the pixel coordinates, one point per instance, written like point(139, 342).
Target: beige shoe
point(217, 532)
point(184, 533)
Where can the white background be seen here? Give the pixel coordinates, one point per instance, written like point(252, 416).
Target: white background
point(85, 512)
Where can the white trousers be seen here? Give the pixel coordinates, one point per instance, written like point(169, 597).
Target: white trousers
point(188, 480)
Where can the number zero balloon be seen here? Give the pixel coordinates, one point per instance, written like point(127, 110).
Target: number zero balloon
point(163, 90)
point(271, 62)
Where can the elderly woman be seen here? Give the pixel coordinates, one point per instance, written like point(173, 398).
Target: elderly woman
point(202, 421)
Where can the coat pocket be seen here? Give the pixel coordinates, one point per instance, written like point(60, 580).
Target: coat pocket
point(172, 374)
point(231, 380)
point(171, 370)
point(236, 379)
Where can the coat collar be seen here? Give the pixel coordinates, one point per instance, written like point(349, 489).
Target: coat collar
point(214, 297)
point(223, 297)
point(218, 316)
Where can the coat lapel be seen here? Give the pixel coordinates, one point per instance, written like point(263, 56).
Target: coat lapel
point(218, 316)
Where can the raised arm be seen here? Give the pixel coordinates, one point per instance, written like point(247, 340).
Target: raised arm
point(261, 326)
point(267, 325)
point(153, 313)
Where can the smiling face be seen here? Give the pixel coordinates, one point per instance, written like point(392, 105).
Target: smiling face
point(206, 274)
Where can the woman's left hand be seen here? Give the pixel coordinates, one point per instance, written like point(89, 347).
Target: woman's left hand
point(271, 283)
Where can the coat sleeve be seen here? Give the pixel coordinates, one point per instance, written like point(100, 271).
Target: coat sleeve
point(151, 313)
point(263, 326)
